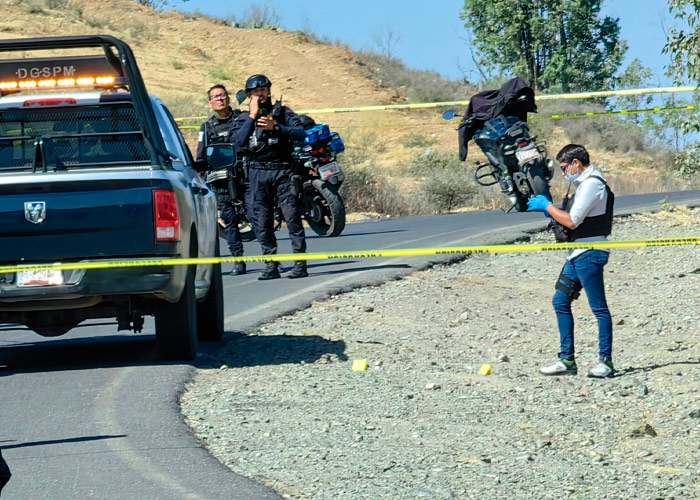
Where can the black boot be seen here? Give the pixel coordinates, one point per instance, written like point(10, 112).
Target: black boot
point(238, 267)
point(271, 271)
point(299, 270)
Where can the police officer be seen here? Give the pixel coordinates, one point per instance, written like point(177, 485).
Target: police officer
point(268, 132)
point(218, 128)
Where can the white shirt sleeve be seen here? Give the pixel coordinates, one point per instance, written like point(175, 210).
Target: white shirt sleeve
point(590, 200)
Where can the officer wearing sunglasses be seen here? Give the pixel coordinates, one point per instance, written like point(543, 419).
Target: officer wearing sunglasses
point(265, 137)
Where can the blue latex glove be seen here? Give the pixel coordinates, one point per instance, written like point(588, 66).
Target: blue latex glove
point(538, 203)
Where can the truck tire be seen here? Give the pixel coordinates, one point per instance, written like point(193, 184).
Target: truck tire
point(325, 208)
point(176, 324)
point(210, 311)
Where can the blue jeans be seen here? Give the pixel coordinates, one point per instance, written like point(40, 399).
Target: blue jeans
point(586, 270)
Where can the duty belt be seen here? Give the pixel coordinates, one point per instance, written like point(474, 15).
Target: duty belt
point(270, 165)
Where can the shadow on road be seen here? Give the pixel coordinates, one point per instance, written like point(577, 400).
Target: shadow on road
point(79, 354)
point(60, 441)
point(236, 350)
point(242, 350)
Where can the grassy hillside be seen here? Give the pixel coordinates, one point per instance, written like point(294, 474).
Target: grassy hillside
point(389, 154)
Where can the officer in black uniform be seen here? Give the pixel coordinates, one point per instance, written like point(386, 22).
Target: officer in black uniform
point(218, 128)
point(268, 132)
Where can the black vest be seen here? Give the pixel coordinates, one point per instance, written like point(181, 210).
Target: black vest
point(219, 130)
point(272, 146)
point(599, 225)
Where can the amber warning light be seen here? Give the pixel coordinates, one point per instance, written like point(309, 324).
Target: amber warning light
point(62, 72)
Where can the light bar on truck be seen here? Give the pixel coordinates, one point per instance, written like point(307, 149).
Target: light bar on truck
point(99, 81)
point(57, 72)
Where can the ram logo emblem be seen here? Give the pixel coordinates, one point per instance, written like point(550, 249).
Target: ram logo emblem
point(35, 211)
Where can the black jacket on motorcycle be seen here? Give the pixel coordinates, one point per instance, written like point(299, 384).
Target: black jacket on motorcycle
point(514, 98)
point(215, 130)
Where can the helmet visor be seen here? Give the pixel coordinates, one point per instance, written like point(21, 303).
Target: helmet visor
point(256, 81)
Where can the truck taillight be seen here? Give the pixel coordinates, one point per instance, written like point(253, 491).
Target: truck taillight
point(166, 215)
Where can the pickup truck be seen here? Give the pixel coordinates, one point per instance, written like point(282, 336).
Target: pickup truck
point(93, 168)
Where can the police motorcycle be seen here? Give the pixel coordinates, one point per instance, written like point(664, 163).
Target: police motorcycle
point(317, 178)
point(517, 162)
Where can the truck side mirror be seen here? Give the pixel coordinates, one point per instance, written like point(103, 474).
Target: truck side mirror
point(221, 156)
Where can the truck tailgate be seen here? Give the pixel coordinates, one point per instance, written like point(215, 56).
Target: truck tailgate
point(75, 220)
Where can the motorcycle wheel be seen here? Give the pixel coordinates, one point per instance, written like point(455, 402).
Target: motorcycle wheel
point(536, 176)
point(325, 210)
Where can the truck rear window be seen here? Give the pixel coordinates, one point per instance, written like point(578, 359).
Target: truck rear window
point(70, 137)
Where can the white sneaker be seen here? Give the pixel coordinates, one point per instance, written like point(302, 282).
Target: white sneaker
point(561, 367)
point(603, 369)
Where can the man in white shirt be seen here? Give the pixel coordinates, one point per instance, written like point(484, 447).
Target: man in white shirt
point(588, 219)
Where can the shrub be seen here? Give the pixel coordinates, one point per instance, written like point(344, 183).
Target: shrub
point(420, 85)
point(418, 141)
point(142, 31)
point(609, 133)
point(447, 183)
point(177, 64)
point(35, 6)
point(224, 75)
point(98, 20)
point(687, 163)
point(365, 191)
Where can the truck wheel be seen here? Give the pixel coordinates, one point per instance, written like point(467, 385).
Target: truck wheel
point(210, 311)
point(325, 208)
point(176, 324)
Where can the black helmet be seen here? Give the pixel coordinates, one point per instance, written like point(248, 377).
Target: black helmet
point(256, 81)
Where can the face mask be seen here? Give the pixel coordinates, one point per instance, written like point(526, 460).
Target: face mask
point(571, 177)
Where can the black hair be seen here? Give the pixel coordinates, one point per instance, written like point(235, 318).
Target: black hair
point(572, 152)
point(217, 86)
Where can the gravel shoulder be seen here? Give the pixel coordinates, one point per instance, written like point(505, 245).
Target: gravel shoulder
point(286, 408)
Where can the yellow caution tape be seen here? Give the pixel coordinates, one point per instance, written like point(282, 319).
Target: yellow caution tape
point(614, 112)
point(360, 254)
point(558, 117)
point(427, 105)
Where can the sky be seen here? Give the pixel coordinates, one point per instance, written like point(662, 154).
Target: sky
point(431, 34)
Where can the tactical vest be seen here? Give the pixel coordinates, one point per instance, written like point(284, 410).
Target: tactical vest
point(599, 225)
point(270, 146)
point(219, 130)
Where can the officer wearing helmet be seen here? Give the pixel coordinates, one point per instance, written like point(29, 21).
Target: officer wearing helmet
point(264, 137)
point(217, 129)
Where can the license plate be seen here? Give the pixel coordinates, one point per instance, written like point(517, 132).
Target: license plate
point(527, 155)
point(329, 170)
point(43, 277)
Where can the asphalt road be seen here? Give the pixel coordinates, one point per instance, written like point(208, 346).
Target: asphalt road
point(93, 414)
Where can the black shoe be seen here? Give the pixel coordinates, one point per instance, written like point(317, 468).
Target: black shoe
point(299, 270)
point(271, 271)
point(238, 269)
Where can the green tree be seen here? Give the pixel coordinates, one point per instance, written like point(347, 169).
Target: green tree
point(554, 44)
point(635, 76)
point(684, 41)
